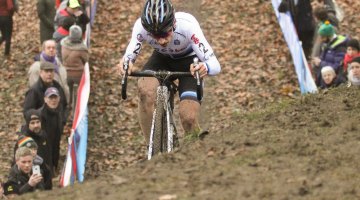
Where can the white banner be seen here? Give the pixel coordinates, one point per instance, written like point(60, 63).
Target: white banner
point(306, 81)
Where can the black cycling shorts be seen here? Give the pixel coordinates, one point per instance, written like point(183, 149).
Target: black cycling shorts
point(187, 85)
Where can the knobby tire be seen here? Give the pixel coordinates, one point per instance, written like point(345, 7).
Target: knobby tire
point(160, 126)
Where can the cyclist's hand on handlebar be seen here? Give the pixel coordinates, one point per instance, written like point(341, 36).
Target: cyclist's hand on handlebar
point(203, 71)
point(121, 69)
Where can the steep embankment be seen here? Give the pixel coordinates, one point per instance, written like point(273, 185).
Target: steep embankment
point(306, 148)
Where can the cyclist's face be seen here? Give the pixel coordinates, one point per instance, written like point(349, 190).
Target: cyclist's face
point(49, 48)
point(164, 39)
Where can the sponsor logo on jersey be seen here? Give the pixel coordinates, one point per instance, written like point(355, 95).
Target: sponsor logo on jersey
point(177, 42)
point(195, 39)
point(179, 50)
point(140, 38)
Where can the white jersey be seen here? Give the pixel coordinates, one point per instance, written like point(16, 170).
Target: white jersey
point(188, 39)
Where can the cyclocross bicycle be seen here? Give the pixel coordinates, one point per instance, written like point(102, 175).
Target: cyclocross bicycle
point(163, 134)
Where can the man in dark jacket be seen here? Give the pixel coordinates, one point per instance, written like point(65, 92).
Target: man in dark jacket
point(25, 141)
point(21, 174)
point(52, 122)
point(301, 13)
point(46, 12)
point(332, 53)
point(33, 129)
point(6, 23)
point(34, 97)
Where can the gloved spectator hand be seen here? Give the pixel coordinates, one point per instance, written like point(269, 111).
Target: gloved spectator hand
point(284, 6)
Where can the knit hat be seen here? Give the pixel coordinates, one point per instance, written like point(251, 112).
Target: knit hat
point(74, 4)
point(25, 141)
point(31, 114)
point(75, 35)
point(46, 65)
point(51, 91)
point(353, 43)
point(327, 69)
point(356, 59)
point(326, 29)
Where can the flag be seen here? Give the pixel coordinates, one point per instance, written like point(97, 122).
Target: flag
point(74, 166)
point(306, 81)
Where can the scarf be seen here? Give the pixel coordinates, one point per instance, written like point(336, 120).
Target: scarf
point(50, 59)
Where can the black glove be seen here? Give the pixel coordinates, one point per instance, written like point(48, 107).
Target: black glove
point(284, 6)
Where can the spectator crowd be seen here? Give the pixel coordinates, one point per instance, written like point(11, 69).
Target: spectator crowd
point(49, 101)
point(334, 57)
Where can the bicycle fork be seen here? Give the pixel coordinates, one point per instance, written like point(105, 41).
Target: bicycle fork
point(163, 95)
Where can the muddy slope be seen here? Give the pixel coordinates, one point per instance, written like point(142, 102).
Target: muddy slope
point(296, 149)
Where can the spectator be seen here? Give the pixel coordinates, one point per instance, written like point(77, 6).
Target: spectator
point(6, 23)
point(48, 54)
point(46, 12)
point(329, 78)
point(332, 53)
point(301, 13)
point(52, 123)
point(34, 97)
point(354, 72)
point(353, 51)
point(34, 130)
point(61, 32)
point(75, 12)
point(21, 173)
point(75, 54)
point(326, 13)
point(25, 141)
point(323, 14)
point(84, 4)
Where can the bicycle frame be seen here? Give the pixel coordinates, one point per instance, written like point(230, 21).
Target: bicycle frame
point(164, 97)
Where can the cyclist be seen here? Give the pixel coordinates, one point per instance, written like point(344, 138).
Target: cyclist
point(176, 39)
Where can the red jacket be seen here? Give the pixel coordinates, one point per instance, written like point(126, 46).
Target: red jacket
point(6, 7)
point(347, 60)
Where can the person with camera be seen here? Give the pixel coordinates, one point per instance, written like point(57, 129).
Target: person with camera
point(23, 175)
point(25, 141)
point(35, 131)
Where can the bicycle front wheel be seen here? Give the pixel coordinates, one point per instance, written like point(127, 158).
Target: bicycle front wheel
point(159, 143)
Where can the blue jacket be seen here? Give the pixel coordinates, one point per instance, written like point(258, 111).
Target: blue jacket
point(334, 53)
